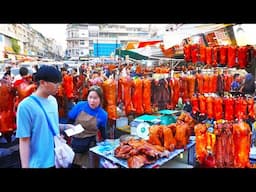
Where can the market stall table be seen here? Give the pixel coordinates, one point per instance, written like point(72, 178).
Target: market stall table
point(106, 149)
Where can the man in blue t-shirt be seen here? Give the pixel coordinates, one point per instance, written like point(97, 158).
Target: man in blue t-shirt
point(36, 143)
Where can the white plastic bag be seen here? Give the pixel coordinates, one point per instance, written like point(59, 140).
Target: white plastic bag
point(64, 155)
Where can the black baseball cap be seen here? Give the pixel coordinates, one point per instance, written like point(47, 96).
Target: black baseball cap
point(48, 73)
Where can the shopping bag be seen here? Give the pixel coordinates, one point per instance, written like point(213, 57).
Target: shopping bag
point(64, 155)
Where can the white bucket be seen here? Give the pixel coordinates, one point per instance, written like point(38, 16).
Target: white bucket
point(121, 122)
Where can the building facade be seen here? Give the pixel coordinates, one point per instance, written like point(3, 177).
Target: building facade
point(99, 40)
point(30, 42)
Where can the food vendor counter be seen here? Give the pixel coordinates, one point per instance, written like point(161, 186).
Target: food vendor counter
point(106, 149)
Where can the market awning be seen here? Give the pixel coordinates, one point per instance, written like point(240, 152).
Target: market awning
point(147, 43)
point(131, 45)
point(133, 55)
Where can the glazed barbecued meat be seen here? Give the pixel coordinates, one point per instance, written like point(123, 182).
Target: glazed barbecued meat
point(110, 94)
point(139, 152)
point(174, 86)
point(137, 96)
point(155, 135)
point(169, 140)
point(201, 142)
point(182, 134)
point(126, 95)
point(7, 114)
point(137, 161)
point(123, 151)
point(224, 146)
point(242, 140)
point(146, 96)
point(186, 118)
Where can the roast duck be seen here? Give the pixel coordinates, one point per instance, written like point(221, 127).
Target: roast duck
point(162, 135)
point(7, 110)
point(137, 96)
point(174, 91)
point(68, 86)
point(242, 143)
point(227, 146)
point(224, 146)
point(242, 56)
point(110, 95)
point(195, 104)
point(175, 135)
point(241, 108)
point(195, 53)
point(191, 80)
point(223, 55)
point(218, 108)
point(62, 101)
point(80, 87)
point(209, 52)
point(187, 53)
point(146, 96)
point(250, 106)
point(228, 78)
point(212, 83)
point(231, 56)
point(216, 56)
point(125, 94)
point(200, 83)
point(160, 94)
point(184, 87)
point(25, 88)
point(202, 55)
point(201, 142)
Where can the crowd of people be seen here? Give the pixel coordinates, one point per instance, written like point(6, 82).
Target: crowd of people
point(33, 126)
point(87, 110)
point(243, 84)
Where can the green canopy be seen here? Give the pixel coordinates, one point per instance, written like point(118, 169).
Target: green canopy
point(131, 54)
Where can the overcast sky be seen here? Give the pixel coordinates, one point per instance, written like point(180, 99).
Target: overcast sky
point(56, 31)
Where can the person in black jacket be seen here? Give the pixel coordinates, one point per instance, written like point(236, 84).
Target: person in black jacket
point(248, 86)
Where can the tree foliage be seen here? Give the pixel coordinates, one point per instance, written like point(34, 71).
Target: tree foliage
point(15, 46)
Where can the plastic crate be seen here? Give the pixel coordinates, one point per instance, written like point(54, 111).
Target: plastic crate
point(10, 161)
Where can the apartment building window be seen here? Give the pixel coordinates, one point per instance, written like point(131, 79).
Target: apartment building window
point(82, 42)
point(93, 34)
point(90, 43)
